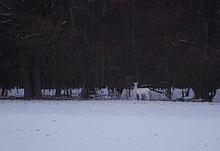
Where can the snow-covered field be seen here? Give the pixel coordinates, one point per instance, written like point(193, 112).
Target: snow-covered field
point(109, 126)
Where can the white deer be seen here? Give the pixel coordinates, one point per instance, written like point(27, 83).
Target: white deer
point(142, 91)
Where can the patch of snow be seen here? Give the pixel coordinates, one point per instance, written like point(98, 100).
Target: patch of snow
point(109, 125)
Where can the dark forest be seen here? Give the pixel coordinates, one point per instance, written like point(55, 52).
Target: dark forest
point(95, 43)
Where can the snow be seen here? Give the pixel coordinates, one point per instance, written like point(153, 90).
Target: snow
point(109, 125)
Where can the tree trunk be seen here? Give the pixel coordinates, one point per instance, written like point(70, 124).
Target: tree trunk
point(28, 93)
point(35, 77)
point(5, 78)
point(202, 93)
point(58, 78)
point(133, 40)
point(103, 47)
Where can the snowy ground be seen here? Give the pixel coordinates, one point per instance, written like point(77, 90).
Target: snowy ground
point(109, 126)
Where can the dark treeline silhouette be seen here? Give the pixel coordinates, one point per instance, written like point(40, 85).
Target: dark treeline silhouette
point(96, 43)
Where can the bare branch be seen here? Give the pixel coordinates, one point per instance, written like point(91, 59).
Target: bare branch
point(5, 6)
point(28, 36)
point(63, 23)
point(185, 41)
point(51, 5)
point(5, 21)
point(174, 44)
point(4, 14)
point(182, 40)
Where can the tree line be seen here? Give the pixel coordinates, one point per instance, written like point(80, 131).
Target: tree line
point(95, 43)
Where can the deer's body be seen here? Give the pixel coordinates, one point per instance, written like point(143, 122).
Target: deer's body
point(142, 92)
